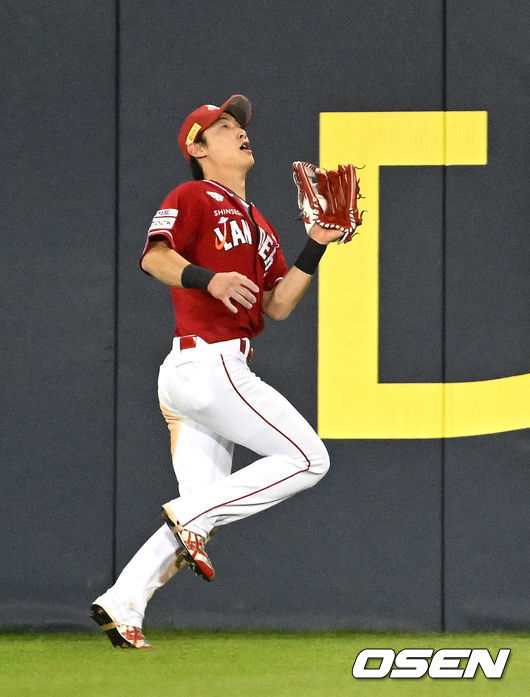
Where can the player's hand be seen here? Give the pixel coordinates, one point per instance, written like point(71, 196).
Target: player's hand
point(233, 286)
point(324, 235)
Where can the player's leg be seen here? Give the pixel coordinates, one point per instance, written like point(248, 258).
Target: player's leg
point(199, 458)
point(124, 603)
point(224, 395)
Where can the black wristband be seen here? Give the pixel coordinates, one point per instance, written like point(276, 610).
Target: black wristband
point(310, 256)
point(196, 277)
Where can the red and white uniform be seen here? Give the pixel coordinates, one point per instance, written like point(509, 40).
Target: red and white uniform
point(212, 227)
point(210, 397)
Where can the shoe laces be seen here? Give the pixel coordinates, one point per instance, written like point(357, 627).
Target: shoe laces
point(195, 542)
point(134, 635)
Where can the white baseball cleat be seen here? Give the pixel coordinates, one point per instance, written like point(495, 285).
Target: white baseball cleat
point(122, 636)
point(192, 544)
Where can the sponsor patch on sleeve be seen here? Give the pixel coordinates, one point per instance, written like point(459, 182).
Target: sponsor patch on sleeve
point(164, 220)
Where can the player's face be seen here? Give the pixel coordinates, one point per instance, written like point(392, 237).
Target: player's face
point(227, 144)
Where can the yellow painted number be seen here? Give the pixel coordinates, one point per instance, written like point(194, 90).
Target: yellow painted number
point(352, 403)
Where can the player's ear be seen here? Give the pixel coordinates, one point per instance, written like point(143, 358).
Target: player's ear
point(197, 150)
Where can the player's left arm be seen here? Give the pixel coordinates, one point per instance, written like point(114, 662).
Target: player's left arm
point(328, 205)
point(279, 302)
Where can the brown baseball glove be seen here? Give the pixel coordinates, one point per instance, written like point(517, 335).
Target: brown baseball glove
point(329, 198)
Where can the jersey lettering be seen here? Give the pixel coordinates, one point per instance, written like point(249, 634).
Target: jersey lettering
point(221, 242)
point(227, 211)
point(267, 248)
point(238, 235)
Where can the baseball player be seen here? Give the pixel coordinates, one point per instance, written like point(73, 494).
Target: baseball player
point(225, 268)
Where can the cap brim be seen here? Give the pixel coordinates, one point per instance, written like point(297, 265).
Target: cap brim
point(240, 108)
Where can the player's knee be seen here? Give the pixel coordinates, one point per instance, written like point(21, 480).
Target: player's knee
point(319, 459)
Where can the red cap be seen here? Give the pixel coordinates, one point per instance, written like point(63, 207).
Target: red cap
point(203, 117)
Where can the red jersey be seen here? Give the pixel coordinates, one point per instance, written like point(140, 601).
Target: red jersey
point(210, 226)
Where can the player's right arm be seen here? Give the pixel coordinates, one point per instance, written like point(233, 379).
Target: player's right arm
point(167, 266)
point(164, 263)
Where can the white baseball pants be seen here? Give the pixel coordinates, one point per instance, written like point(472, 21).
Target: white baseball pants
point(211, 400)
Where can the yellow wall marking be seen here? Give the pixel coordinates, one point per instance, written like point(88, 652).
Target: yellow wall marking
point(352, 403)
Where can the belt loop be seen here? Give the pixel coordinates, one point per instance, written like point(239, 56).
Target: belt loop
point(244, 346)
point(187, 342)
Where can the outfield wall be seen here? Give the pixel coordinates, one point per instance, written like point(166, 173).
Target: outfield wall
point(410, 529)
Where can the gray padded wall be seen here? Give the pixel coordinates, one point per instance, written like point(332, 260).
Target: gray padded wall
point(488, 318)
point(58, 305)
point(401, 533)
